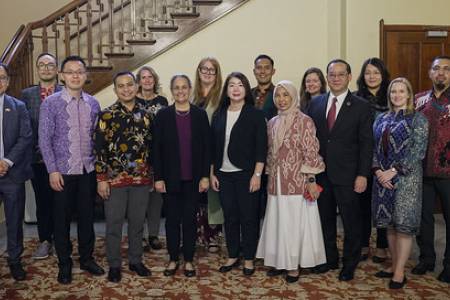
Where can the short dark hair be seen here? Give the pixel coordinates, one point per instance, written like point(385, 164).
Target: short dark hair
point(225, 100)
point(72, 58)
point(439, 57)
point(46, 54)
point(341, 61)
point(264, 56)
point(176, 76)
point(123, 73)
point(5, 67)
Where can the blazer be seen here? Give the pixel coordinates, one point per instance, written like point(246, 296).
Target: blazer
point(32, 98)
point(166, 150)
point(348, 148)
point(248, 139)
point(17, 138)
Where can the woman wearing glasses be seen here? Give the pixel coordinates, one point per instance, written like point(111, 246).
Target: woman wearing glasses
point(207, 87)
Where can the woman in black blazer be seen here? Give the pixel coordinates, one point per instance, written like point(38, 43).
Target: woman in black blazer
point(239, 152)
point(181, 162)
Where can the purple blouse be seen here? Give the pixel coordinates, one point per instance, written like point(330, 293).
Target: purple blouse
point(184, 140)
point(66, 126)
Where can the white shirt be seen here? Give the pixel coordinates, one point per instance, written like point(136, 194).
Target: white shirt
point(227, 166)
point(340, 101)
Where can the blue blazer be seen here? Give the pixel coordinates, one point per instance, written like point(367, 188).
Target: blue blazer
point(17, 138)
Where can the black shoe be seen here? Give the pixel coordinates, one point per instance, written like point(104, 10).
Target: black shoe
point(248, 272)
point(114, 275)
point(292, 279)
point(323, 268)
point(384, 274)
point(140, 269)
point(422, 268)
point(274, 272)
point(394, 285)
point(171, 272)
point(189, 272)
point(65, 274)
point(364, 257)
point(92, 267)
point(17, 271)
point(346, 274)
point(378, 259)
point(445, 275)
point(154, 243)
point(225, 268)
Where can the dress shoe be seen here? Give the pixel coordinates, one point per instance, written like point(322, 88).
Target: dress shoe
point(17, 271)
point(292, 279)
point(384, 274)
point(114, 275)
point(378, 259)
point(394, 285)
point(364, 257)
point(422, 268)
point(323, 268)
point(92, 267)
point(154, 243)
point(274, 272)
point(248, 271)
point(445, 275)
point(346, 274)
point(65, 274)
point(140, 269)
point(171, 272)
point(228, 268)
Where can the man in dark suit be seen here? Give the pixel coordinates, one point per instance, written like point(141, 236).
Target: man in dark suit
point(15, 157)
point(344, 129)
point(47, 69)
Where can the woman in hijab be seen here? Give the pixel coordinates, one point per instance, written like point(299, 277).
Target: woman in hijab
point(292, 233)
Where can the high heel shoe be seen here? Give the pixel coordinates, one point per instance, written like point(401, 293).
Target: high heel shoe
point(172, 271)
point(228, 268)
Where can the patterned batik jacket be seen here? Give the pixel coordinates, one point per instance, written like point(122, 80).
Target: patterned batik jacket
point(122, 146)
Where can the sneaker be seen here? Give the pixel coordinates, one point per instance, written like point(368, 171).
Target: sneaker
point(43, 250)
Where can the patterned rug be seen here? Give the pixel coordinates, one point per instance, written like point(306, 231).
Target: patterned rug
point(208, 284)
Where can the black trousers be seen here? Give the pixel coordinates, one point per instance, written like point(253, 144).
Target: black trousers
point(78, 194)
point(12, 194)
point(181, 210)
point(240, 209)
point(366, 218)
point(44, 196)
point(349, 207)
point(431, 188)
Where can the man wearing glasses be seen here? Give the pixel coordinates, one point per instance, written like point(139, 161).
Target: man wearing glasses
point(66, 125)
point(344, 129)
point(47, 69)
point(15, 159)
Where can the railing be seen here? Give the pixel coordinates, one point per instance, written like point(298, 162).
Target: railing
point(106, 31)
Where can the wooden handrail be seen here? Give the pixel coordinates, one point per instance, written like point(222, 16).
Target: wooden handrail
point(11, 43)
point(18, 45)
point(68, 8)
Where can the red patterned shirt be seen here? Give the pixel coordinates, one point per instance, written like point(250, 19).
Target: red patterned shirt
point(437, 111)
point(45, 92)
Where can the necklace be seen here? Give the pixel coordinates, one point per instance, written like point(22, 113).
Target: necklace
point(182, 113)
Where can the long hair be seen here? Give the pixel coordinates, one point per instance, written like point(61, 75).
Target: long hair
point(213, 96)
point(410, 102)
point(305, 96)
point(225, 100)
point(156, 86)
point(363, 89)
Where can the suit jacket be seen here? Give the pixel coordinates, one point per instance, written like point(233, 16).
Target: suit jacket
point(248, 139)
point(166, 150)
point(32, 98)
point(348, 148)
point(17, 139)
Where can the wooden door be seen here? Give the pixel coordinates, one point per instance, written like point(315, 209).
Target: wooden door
point(408, 50)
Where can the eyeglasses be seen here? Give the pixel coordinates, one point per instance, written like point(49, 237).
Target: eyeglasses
point(49, 67)
point(338, 75)
point(445, 69)
point(73, 73)
point(4, 78)
point(372, 73)
point(206, 70)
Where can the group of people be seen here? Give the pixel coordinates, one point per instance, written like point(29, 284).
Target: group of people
point(229, 155)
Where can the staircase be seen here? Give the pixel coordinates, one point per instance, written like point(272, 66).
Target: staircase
point(111, 35)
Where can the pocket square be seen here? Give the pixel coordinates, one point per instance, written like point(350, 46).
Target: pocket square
point(7, 109)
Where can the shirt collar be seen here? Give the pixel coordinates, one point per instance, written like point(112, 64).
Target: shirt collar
point(2, 98)
point(340, 98)
point(67, 97)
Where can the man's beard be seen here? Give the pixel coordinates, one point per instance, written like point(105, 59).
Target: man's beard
point(439, 86)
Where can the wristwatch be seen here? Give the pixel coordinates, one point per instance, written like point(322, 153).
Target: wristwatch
point(257, 174)
point(311, 179)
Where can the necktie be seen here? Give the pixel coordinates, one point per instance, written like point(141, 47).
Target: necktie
point(331, 118)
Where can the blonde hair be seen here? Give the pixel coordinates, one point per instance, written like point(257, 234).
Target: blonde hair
point(409, 102)
point(213, 97)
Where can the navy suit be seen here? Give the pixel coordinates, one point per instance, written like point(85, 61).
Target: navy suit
point(16, 131)
point(44, 194)
point(347, 151)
